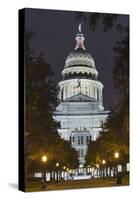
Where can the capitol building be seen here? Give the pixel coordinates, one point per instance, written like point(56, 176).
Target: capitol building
point(81, 110)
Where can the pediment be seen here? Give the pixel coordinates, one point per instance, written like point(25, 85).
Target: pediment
point(80, 98)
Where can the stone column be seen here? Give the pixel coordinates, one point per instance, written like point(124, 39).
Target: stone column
point(100, 94)
point(60, 93)
point(95, 92)
point(70, 91)
point(89, 90)
point(83, 90)
point(64, 92)
point(84, 139)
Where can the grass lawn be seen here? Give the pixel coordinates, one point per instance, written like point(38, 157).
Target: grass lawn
point(76, 184)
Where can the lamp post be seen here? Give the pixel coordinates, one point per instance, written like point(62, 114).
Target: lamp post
point(64, 169)
point(97, 166)
point(118, 175)
point(57, 165)
point(116, 154)
point(103, 162)
point(67, 173)
point(44, 160)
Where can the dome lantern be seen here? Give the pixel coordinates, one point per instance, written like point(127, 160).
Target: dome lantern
point(80, 39)
point(79, 63)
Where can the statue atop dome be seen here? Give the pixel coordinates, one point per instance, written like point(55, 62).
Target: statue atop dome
point(80, 38)
point(79, 27)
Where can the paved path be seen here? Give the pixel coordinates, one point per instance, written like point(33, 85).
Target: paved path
point(77, 184)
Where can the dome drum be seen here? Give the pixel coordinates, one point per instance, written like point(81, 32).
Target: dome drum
point(80, 69)
point(91, 88)
point(80, 75)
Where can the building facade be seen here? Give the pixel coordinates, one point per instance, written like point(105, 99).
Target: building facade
point(80, 111)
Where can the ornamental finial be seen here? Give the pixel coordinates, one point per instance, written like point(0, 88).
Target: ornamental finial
point(79, 27)
point(80, 38)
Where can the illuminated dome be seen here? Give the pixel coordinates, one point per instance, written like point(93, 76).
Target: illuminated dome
point(79, 57)
point(79, 63)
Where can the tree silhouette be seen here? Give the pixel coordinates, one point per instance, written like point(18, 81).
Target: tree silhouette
point(115, 132)
point(41, 130)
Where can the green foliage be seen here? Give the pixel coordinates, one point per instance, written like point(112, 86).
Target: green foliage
point(121, 61)
point(41, 130)
point(114, 136)
point(94, 19)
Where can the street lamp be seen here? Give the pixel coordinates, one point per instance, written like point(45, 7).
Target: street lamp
point(103, 162)
point(67, 172)
point(116, 154)
point(97, 166)
point(57, 165)
point(44, 160)
point(64, 168)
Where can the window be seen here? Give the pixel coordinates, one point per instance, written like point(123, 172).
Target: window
point(82, 140)
point(88, 139)
point(78, 139)
point(73, 139)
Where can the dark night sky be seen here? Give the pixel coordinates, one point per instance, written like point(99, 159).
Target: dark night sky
point(55, 33)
